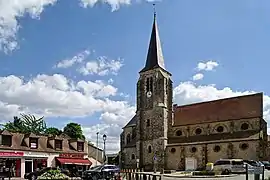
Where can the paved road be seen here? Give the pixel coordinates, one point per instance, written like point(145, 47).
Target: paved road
point(238, 177)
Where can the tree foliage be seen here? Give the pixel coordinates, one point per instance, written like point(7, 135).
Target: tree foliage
point(74, 130)
point(53, 131)
point(28, 123)
point(33, 124)
point(15, 126)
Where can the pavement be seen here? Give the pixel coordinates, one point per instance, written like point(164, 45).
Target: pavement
point(180, 176)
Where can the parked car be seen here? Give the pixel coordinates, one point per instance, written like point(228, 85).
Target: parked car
point(254, 163)
point(102, 172)
point(266, 164)
point(33, 175)
point(227, 166)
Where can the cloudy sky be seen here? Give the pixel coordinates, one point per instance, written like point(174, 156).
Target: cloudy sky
point(78, 61)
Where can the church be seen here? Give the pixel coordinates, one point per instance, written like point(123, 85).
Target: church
point(163, 135)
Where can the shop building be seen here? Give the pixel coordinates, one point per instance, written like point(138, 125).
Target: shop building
point(24, 153)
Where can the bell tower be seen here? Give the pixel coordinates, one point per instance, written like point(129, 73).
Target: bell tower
point(154, 106)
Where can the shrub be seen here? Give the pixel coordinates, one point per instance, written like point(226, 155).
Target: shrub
point(204, 173)
point(53, 174)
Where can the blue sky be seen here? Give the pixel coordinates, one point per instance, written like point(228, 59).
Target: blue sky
point(232, 34)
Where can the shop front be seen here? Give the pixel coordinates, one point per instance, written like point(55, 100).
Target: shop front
point(34, 161)
point(75, 163)
point(11, 161)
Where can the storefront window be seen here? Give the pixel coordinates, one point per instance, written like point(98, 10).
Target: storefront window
point(39, 163)
point(14, 165)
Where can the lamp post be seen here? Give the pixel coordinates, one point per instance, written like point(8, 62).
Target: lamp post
point(97, 149)
point(104, 149)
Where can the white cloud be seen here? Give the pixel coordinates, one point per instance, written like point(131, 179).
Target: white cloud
point(115, 4)
point(10, 11)
point(97, 88)
point(197, 77)
point(55, 95)
point(102, 66)
point(207, 66)
point(80, 57)
point(111, 130)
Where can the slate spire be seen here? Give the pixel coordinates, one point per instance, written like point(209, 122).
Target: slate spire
point(155, 55)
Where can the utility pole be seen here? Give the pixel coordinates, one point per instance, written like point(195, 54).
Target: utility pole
point(97, 149)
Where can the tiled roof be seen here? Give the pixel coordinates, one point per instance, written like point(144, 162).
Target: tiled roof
point(240, 107)
point(132, 122)
point(45, 144)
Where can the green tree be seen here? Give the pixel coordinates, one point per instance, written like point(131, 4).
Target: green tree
point(53, 131)
point(74, 130)
point(15, 126)
point(33, 124)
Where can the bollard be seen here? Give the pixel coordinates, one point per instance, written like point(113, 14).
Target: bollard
point(137, 176)
point(246, 172)
point(144, 177)
point(263, 172)
point(154, 177)
point(129, 176)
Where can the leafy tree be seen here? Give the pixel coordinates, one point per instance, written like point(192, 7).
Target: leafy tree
point(15, 126)
point(33, 124)
point(53, 131)
point(74, 130)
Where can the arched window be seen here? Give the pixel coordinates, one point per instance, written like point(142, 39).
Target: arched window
point(198, 131)
point(179, 133)
point(217, 148)
point(220, 129)
point(148, 122)
point(244, 126)
point(149, 149)
point(244, 146)
point(133, 156)
point(133, 136)
point(128, 138)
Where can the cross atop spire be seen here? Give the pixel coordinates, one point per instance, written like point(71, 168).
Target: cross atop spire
point(155, 55)
point(154, 8)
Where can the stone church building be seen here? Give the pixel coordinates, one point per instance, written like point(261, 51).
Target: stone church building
point(164, 136)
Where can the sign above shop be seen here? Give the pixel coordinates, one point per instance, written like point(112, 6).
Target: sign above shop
point(71, 155)
point(2, 154)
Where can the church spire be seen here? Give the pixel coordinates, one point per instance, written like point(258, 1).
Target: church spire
point(154, 56)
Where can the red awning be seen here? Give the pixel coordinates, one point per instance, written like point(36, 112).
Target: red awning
point(74, 161)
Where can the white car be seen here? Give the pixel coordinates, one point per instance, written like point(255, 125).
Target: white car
point(227, 166)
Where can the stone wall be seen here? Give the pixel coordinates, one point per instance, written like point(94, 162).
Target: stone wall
point(212, 128)
point(203, 153)
point(129, 158)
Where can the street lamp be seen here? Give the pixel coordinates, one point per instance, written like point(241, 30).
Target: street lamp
point(104, 149)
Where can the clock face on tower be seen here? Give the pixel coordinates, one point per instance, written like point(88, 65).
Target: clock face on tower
point(149, 94)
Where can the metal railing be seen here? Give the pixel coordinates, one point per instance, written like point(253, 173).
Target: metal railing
point(133, 174)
